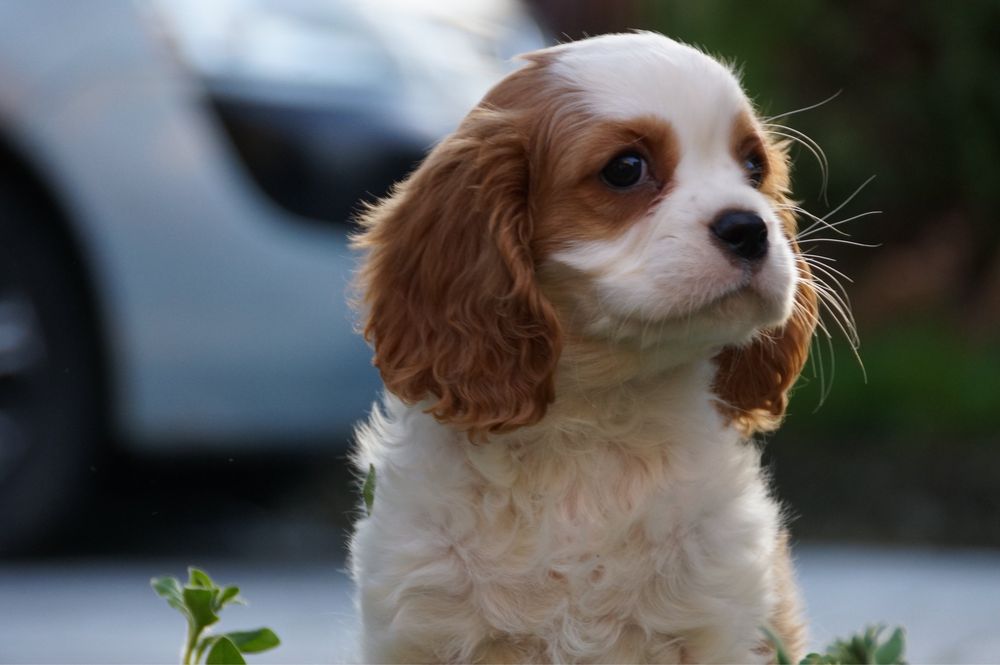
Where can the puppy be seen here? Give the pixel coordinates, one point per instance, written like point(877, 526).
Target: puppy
point(583, 303)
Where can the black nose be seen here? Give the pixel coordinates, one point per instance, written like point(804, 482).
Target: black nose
point(742, 233)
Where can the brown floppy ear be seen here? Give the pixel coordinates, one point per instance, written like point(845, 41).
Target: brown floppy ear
point(453, 309)
point(753, 381)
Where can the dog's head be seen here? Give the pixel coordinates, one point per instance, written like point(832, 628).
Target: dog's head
point(618, 192)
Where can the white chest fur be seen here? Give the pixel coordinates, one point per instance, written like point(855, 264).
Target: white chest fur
point(625, 531)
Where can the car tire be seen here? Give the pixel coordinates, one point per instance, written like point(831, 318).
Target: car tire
point(50, 389)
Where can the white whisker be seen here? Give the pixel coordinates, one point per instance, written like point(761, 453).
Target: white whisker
point(812, 147)
point(833, 225)
point(818, 221)
point(825, 388)
point(854, 243)
point(826, 267)
point(849, 198)
point(804, 108)
point(842, 318)
point(809, 143)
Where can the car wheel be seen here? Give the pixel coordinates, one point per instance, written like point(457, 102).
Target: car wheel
point(50, 398)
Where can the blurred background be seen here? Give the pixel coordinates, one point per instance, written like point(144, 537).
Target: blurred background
point(178, 370)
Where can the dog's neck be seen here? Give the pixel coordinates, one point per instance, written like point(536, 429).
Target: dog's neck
point(598, 431)
point(623, 377)
point(627, 398)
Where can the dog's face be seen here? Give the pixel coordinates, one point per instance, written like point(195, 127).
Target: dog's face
point(660, 198)
point(619, 190)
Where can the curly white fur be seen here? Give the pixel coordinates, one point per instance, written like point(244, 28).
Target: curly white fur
point(633, 530)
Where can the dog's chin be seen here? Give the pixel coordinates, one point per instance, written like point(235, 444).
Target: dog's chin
point(734, 317)
point(731, 312)
point(756, 306)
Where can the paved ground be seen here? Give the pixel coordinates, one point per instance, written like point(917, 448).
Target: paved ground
point(949, 601)
point(102, 610)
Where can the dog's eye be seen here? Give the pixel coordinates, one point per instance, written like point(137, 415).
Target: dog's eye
point(624, 171)
point(753, 164)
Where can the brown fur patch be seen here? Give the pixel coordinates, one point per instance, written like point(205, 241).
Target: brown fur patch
point(746, 142)
point(453, 308)
point(574, 203)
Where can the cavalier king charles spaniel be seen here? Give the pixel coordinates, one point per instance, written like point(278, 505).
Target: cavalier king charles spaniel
point(583, 304)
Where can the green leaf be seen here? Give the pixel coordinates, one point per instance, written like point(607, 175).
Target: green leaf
point(891, 653)
point(169, 588)
point(229, 594)
point(254, 641)
point(781, 657)
point(368, 489)
point(224, 652)
point(203, 645)
point(199, 578)
point(201, 606)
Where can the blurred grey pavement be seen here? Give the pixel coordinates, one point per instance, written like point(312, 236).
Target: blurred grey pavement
point(102, 611)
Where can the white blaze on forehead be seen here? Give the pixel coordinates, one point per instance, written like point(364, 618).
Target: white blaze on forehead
point(629, 75)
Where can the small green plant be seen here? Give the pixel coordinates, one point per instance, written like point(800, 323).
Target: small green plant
point(368, 489)
point(200, 601)
point(865, 648)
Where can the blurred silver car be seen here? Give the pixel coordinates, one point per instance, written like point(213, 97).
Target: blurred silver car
point(176, 181)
